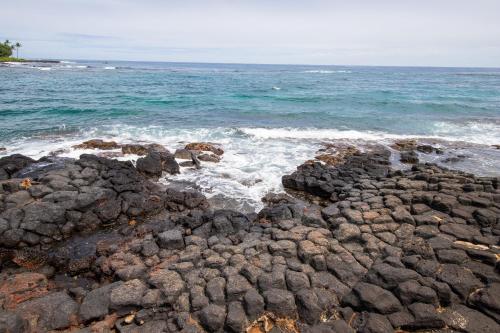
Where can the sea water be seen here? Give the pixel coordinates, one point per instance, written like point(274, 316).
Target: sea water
point(268, 118)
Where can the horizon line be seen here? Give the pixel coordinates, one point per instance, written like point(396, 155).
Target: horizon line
point(261, 64)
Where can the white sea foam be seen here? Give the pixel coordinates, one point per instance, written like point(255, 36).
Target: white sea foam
point(324, 71)
point(44, 68)
point(255, 159)
point(109, 67)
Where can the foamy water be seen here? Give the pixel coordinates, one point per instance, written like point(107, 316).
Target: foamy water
point(268, 118)
point(255, 159)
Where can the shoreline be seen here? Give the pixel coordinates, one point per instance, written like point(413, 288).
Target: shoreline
point(358, 246)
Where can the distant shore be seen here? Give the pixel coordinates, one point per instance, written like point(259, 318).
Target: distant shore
point(13, 59)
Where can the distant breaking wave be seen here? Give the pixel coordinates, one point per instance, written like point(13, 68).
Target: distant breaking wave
point(323, 71)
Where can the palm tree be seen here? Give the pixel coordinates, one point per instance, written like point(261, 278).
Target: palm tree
point(17, 45)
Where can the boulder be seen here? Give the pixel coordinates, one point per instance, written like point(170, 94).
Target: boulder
point(127, 294)
point(487, 300)
point(169, 282)
point(51, 312)
point(409, 157)
point(96, 303)
point(236, 319)
point(11, 322)
point(280, 302)
point(22, 287)
point(213, 317)
point(347, 232)
point(376, 323)
point(205, 146)
point(374, 298)
point(9, 165)
point(154, 163)
point(171, 239)
point(97, 144)
point(209, 158)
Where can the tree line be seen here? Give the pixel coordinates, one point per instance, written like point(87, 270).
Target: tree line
point(6, 48)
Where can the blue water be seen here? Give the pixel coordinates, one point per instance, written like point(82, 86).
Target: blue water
point(268, 118)
point(409, 101)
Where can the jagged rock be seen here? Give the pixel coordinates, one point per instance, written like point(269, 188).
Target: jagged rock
point(97, 144)
point(209, 158)
point(307, 306)
point(426, 316)
point(236, 319)
point(487, 300)
point(347, 232)
point(22, 287)
point(95, 305)
point(12, 323)
point(51, 312)
point(236, 287)
point(128, 293)
point(204, 146)
point(171, 239)
point(213, 317)
point(461, 280)
point(254, 303)
point(154, 163)
point(376, 323)
point(409, 157)
point(281, 302)
point(462, 318)
point(9, 165)
point(169, 282)
point(374, 298)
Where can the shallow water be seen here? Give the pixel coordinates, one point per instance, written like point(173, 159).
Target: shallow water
point(269, 118)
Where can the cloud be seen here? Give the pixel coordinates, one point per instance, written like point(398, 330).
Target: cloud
point(383, 32)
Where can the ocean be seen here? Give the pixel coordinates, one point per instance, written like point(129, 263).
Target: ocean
point(268, 118)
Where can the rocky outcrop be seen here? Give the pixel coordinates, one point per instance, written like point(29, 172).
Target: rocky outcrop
point(72, 196)
point(154, 163)
point(12, 164)
point(386, 250)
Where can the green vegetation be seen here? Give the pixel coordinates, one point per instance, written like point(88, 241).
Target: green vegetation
point(6, 49)
point(11, 59)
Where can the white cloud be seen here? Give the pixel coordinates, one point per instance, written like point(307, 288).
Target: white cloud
point(384, 32)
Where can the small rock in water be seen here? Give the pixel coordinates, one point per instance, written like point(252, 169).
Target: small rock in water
point(98, 144)
point(209, 158)
point(407, 144)
point(205, 146)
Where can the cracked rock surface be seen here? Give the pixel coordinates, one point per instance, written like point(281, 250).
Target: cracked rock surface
point(94, 246)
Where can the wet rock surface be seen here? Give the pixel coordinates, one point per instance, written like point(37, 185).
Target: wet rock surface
point(384, 251)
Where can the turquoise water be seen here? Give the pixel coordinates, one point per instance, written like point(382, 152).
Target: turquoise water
point(419, 101)
point(270, 118)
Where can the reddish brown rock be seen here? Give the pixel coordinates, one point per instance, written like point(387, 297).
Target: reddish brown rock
point(19, 288)
point(98, 144)
point(205, 146)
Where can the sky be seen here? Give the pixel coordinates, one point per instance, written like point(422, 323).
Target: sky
point(331, 32)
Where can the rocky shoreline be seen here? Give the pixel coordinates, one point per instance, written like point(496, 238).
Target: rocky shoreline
point(96, 245)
